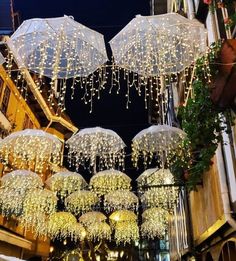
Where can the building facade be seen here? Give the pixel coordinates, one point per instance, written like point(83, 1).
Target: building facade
point(25, 108)
point(203, 226)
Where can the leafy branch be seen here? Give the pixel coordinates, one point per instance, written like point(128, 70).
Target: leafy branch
point(201, 120)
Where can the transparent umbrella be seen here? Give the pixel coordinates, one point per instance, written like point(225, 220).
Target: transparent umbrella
point(159, 45)
point(58, 47)
point(152, 50)
point(159, 143)
point(102, 148)
point(31, 149)
point(61, 48)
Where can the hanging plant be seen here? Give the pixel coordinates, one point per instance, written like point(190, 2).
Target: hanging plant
point(201, 120)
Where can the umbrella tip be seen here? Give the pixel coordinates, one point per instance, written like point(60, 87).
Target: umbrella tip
point(138, 15)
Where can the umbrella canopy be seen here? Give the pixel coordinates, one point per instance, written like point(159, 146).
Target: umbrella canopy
point(123, 216)
point(161, 142)
point(11, 202)
point(100, 147)
point(109, 180)
point(81, 201)
point(120, 199)
point(62, 225)
point(98, 231)
point(58, 47)
point(92, 217)
point(65, 183)
point(152, 229)
point(126, 232)
point(159, 45)
point(31, 149)
point(155, 177)
point(21, 180)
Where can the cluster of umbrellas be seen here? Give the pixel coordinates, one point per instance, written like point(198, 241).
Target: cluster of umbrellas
point(24, 195)
point(97, 148)
point(35, 205)
point(149, 47)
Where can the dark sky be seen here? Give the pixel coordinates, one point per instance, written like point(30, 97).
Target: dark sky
point(107, 17)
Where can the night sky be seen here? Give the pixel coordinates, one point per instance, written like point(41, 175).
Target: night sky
point(107, 17)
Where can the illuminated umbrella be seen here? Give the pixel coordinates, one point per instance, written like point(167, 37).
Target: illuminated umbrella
point(156, 214)
point(66, 182)
point(92, 217)
point(21, 180)
point(11, 201)
point(155, 177)
point(124, 222)
point(31, 149)
point(100, 147)
point(37, 206)
point(59, 48)
point(155, 223)
point(126, 232)
point(36, 223)
point(159, 142)
point(62, 225)
point(152, 48)
point(163, 194)
point(81, 201)
point(98, 231)
point(153, 229)
point(159, 45)
point(109, 180)
point(120, 199)
point(123, 216)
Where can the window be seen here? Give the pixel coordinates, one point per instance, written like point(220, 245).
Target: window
point(5, 100)
point(1, 86)
point(26, 121)
point(28, 124)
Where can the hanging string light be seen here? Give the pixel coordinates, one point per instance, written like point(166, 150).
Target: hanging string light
point(109, 180)
point(164, 195)
point(36, 223)
point(155, 223)
point(11, 202)
point(97, 231)
point(65, 183)
point(120, 199)
point(155, 177)
point(122, 216)
point(37, 205)
point(21, 180)
point(126, 232)
point(102, 148)
point(92, 217)
point(81, 201)
point(159, 143)
point(60, 48)
point(40, 201)
point(153, 229)
point(62, 225)
point(31, 149)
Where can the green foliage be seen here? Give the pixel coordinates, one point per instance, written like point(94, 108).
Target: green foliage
point(201, 121)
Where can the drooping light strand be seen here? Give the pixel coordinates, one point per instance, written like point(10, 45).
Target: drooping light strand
point(109, 180)
point(65, 182)
point(31, 149)
point(101, 148)
point(81, 201)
